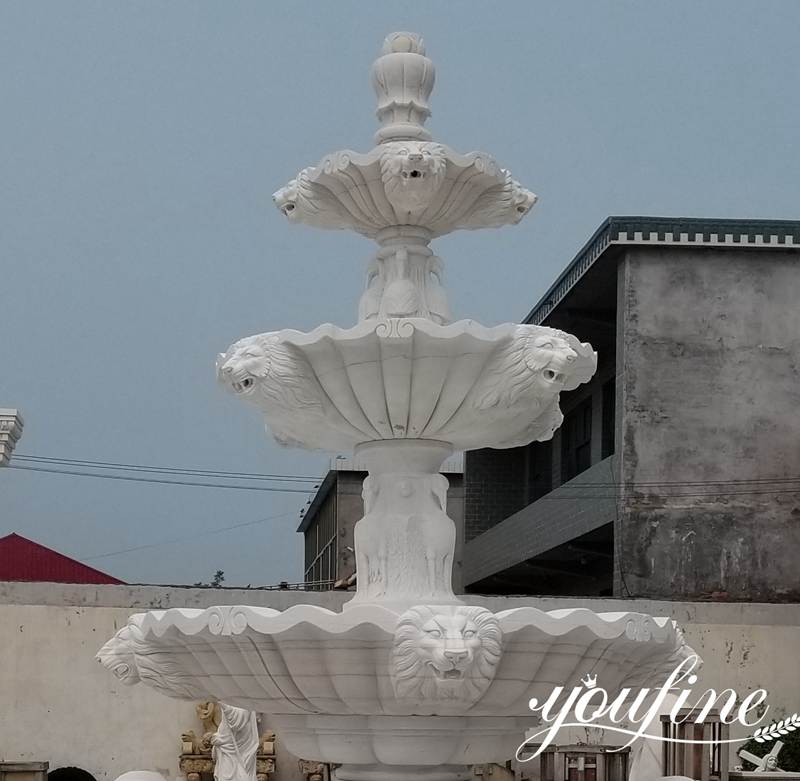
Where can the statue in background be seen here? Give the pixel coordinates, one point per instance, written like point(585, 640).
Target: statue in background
point(229, 747)
point(234, 745)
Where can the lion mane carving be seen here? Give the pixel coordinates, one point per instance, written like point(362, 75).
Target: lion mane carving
point(505, 204)
point(412, 172)
point(535, 366)
point(275, 377)
point(117, 656)
point(445, 655)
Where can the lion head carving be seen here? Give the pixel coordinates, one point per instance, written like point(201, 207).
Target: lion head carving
point(535, 366)
point(446, 654)
point(505, 204)
point(412, 172)
point(117, 656)
point(264, 369)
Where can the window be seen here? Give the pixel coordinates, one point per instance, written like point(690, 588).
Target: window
point(576, 441)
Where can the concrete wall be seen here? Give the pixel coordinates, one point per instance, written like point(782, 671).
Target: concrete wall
point(58, 705)
point(709, 390)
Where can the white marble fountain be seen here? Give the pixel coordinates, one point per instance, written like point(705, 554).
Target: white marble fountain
point(409, 679)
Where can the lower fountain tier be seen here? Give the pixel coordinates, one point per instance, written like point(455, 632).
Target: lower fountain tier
point(399, 378)
point(431, 685)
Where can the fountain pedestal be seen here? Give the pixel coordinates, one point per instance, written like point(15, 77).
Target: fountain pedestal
point(405, 541)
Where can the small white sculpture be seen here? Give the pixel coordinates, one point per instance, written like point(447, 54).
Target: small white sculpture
point(445, 654)
point(235, 744)
point(767, 763)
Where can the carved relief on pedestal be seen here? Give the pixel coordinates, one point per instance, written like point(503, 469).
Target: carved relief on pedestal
point(229, 748)
point(405, 281)
point(405, 517)
point(445, 655)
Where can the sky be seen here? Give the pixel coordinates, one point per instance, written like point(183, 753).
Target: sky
point(140, 143)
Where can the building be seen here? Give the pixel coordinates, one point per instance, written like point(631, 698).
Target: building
point(329, 520)
point(676, 472)
point(22, 559)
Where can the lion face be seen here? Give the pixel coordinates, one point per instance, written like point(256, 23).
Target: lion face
point(557, 363)
point(448, 644)
point(244, 363)
point(445, 654)
point(412, 172)
point(117, 656)
point(286, 198)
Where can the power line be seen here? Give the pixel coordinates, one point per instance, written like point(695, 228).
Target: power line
point(130, 478)
point(162, 469)
point(184, 538)
point(222, 474)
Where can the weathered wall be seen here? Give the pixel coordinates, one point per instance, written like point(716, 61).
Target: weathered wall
point(57, 704)
point(708, 397)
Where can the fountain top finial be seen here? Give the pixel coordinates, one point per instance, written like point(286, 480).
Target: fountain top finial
point(403, 78)
point(403, 43)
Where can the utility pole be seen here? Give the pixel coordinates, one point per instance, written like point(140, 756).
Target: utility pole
point(10, 431)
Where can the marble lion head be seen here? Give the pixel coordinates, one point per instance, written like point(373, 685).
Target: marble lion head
point(412, 172)
point(445, 654)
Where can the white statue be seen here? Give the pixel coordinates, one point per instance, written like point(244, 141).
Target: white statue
point(235, 744)
point(766, 764)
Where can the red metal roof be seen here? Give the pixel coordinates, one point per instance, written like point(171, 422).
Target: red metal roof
point(23, 559)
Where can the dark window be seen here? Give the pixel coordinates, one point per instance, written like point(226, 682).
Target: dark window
point(540, 455)
point(609, 405)
point(576, 441)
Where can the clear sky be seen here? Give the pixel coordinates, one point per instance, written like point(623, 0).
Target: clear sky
point(140, 143)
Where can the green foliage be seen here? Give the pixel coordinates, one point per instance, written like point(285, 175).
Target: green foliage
point(216, 581)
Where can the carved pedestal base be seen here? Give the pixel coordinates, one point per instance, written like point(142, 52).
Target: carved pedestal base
point(405, 541)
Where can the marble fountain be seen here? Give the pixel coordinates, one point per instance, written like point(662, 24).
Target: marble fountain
point(408, 679)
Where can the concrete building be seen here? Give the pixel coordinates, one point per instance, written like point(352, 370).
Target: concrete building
point(676, 473)
point(329, 520)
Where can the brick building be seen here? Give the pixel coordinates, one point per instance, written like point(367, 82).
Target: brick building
point(676, 473)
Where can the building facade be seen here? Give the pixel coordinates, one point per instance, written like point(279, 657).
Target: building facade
point(676, 472)
point(330, 518)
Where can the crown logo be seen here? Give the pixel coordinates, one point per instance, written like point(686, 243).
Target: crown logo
point(590, 681)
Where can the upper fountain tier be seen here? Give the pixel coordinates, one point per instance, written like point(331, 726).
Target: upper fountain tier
point(407, 179)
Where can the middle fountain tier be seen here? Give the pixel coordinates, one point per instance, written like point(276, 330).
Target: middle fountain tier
point(407, 679)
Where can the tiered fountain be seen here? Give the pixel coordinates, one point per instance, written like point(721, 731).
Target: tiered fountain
point(408, 679)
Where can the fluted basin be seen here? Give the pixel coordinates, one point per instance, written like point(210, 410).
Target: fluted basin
point(463, 383)
point(457, 676)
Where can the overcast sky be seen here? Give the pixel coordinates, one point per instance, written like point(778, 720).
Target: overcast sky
point(140, 143)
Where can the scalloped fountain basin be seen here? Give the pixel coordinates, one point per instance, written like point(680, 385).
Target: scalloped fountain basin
point(456, 676)
point(397, 378)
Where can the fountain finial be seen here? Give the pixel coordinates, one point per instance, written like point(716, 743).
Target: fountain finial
point(403, 78)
